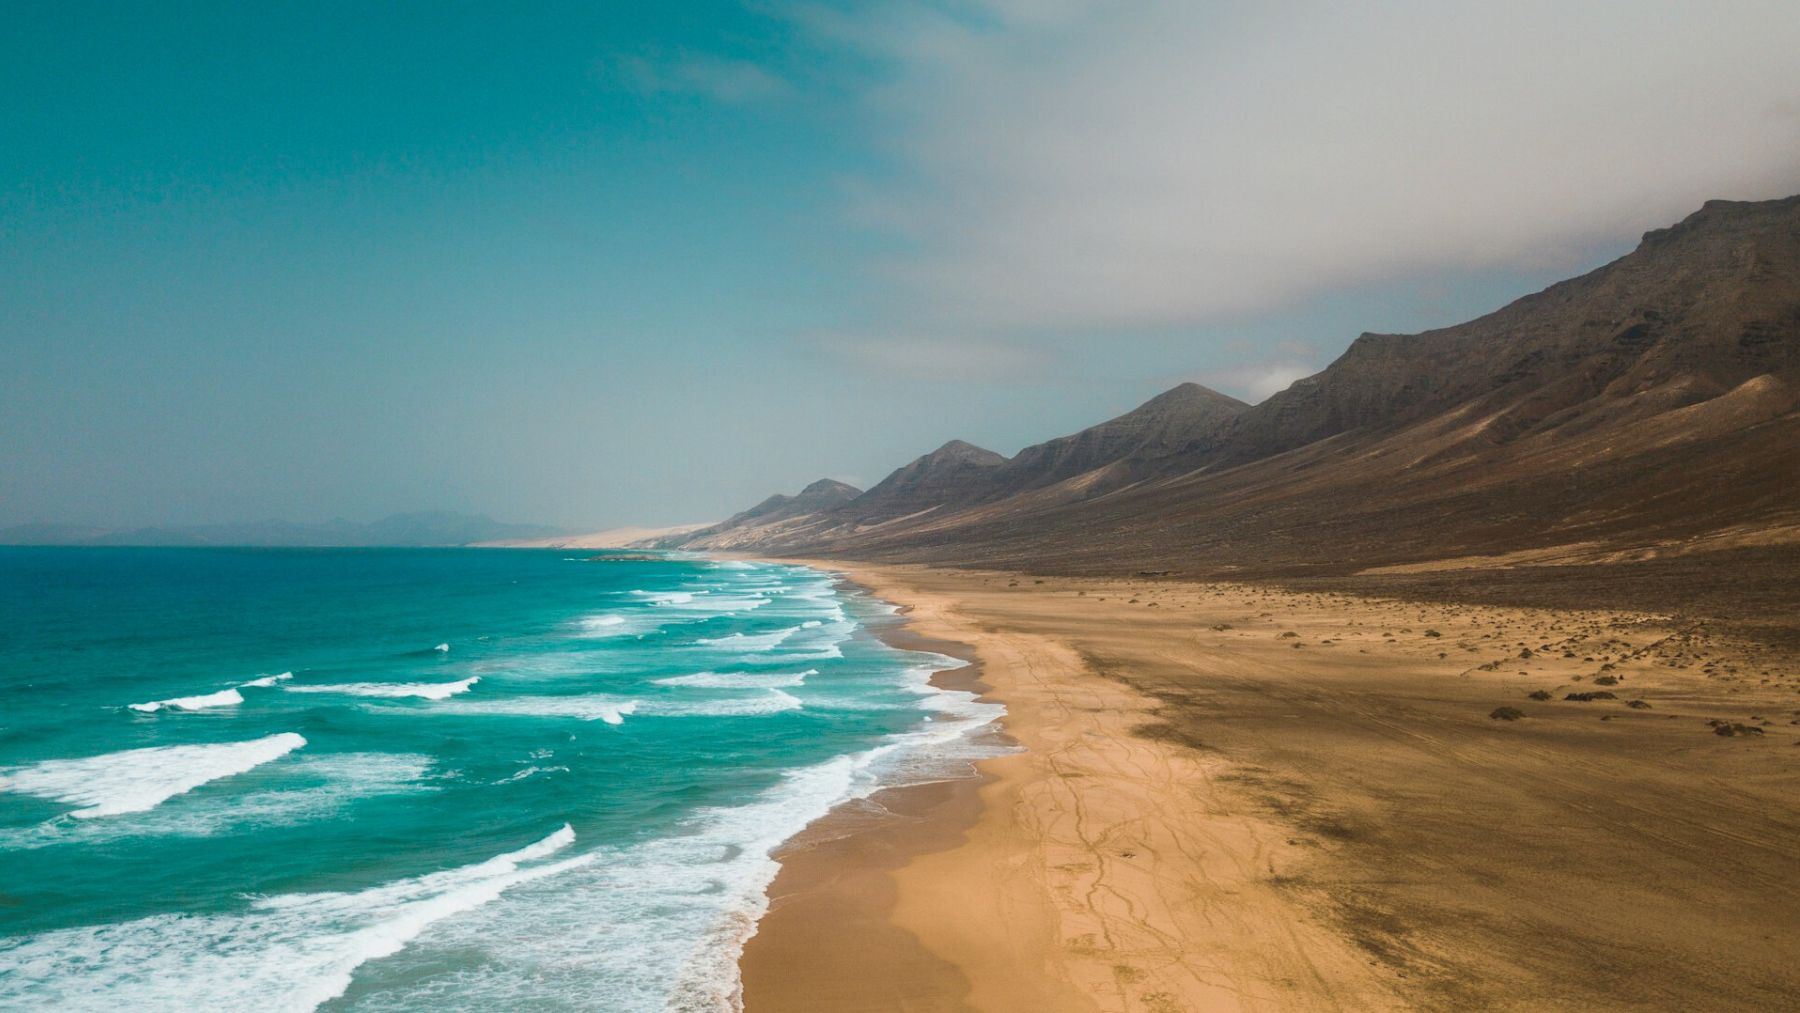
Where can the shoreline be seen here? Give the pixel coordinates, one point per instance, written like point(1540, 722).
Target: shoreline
point(1237, 796)
point(827, 940)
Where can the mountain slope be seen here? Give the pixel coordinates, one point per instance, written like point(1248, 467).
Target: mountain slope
point(1694, 311)
point(1178, 425)
point(1648, 406)
point(953, 473)
point(778, 517)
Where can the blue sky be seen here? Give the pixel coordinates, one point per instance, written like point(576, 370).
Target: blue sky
point(643, 263)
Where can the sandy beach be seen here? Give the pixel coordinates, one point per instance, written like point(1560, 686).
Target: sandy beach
point(1238, 797)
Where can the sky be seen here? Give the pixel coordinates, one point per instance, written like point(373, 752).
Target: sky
point(644, 263)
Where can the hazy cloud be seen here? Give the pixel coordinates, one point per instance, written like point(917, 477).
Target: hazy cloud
point(1255, 382)
point(1122, 164)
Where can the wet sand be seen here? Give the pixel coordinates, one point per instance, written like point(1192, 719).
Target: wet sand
point(1236, 797)
point(828, 941)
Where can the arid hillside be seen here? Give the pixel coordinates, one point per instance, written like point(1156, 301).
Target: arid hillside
point(1641, 412)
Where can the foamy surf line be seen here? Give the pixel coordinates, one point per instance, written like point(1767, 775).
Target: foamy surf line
point(740, 680)
point(392, 690)
point(266, 681)
point(614, 710)
point(748, 641)
point(946, 745)
point(648, 914)
point(223, 698)
point(290, 952)
point(312, 788)
point(630, 931)
point(139, 779)
point(690, 942)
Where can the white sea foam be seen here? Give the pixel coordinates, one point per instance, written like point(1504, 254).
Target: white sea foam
point(529, 771)
point(266, 681)
point(138, 779)
point(311, 788)
point(773, 701)
point(740, 680)
point(613, 709)
point(661, 925)
point(442, 648)
point(658, 925)
point(826, 653)
point(288, 952)
point(818, 592)
point(585, 707)
point(654, 926)
point(223, 698)
point(392, 690)
point(666, 597)
point(719, 604)
point(662, 608)
point(608, 625)
point(749, 641)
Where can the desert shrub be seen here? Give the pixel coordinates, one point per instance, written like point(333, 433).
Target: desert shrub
point(1506, 714)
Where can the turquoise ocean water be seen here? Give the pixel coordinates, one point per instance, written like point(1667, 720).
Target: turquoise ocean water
point(425, 779)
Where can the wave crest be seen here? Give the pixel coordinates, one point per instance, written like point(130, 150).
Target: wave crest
point(138, 779)
point(392, 690)
point(223, 698)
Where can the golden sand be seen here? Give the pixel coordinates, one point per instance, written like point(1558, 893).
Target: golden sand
point(1235, 797)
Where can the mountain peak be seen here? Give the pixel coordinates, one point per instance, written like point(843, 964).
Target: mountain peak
point(1155, 437)
point(958, 451)
point(828, 490)
point(825, 493)
point(1190, 395)
point(1726, 217)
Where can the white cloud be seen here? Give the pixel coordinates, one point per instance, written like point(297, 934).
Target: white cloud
point(1257, 381)
point(1137, 163)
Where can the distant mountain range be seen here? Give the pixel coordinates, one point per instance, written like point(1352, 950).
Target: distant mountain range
point(435, 528)
point(1647, 407)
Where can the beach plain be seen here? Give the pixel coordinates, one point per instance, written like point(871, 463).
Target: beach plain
point(1240, 796)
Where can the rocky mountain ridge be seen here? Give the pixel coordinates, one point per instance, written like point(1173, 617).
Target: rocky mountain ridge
point(1648, 406)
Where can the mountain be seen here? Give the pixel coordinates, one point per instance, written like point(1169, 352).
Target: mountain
point(1694, 311)
point(953, 473)
point(1646, 408)
point(776, 518)
point(824, 494)
point(1159, 436)
point(433, 528)
point(1176, 424)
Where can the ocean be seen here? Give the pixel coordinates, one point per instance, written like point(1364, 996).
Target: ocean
point(426, 779)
